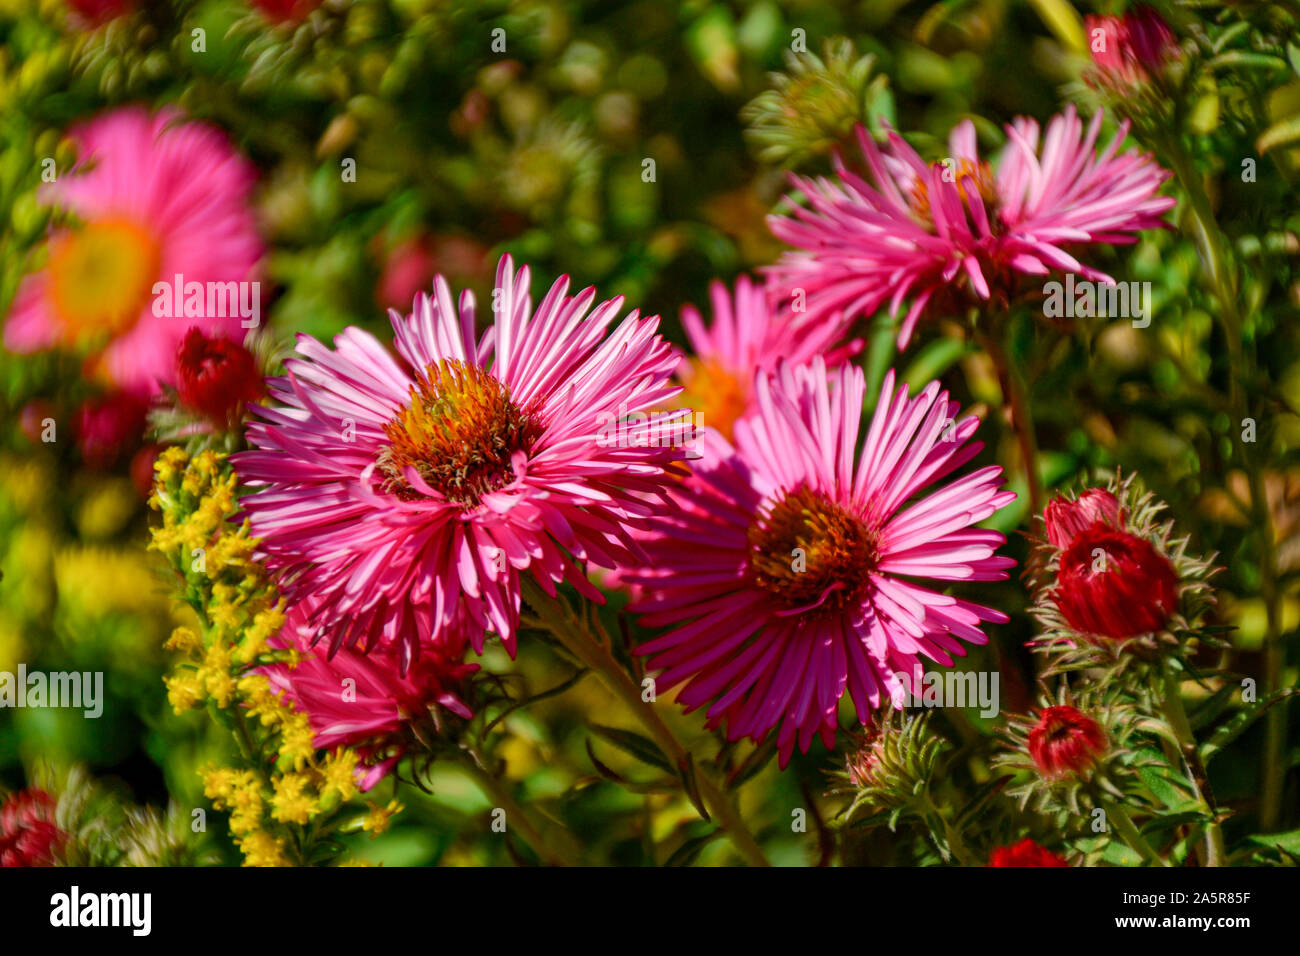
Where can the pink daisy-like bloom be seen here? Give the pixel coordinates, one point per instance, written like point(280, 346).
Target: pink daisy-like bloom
point(156, 197)
point(957, 230)
point(384, 702)
point(785, 573)
point(407, 495)
point(747, 335)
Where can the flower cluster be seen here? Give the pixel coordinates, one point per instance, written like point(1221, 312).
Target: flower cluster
point(960, 232)
point(296, 772)
point(379, 540)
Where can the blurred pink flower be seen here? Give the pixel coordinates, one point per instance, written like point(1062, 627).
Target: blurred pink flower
point(784, 571)
point(158, 197)
point(382, 701)
point(748, 335)
point(108, 427)
point(408, 270)
point(407, 495)
point(957, 231)
point(409, 267)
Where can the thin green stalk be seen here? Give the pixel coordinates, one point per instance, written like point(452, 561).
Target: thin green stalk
point(582, 645)
point(1022, 419)
point(516, 816)
point(1215, 853)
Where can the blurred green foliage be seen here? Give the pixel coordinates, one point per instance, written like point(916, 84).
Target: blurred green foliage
point(606, 141)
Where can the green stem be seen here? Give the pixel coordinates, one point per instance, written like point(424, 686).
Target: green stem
point(1117, 815)
point(1215, 853)
point(516, 816)
point(578, 641)
point(1022, 420)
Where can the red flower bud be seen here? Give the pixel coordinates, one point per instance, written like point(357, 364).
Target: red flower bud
point(1115, 584)
point(1150, 41)
point(95, 12)
point(28, 833)
point(1105, 42)
point(1065, 741)
point(1127, 50)
point(286, 11)
point(1025, 853)
point(216, 377)
point(1066, 518)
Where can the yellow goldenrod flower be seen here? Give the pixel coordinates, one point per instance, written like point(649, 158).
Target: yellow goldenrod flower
point(292, 802)
point(297, 741)
point(245, 802)
point(215, 674)
point(184, 639)
point(168, 464)
point(217, 782)
point(262, 849)
point(379, 818)
point(338, 770)
point(184, 690)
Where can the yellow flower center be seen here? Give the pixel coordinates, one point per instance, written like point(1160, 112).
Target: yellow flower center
point(101, 277)
point(718, 395)
point(459, 433)
point(964, 172)
point(806, 550)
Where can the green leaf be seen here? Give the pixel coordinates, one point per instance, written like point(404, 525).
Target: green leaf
point(634, 745)
point(1241, 58)
point(1064, 21)
point(685, 854)
point(600, 766)
point(1235, 727)
point(933, 360)
point(1163, 788)
point(982, 797)
point(1279, 134)
point(1288, 842)
point(687, 773)
point(1167, 821)
point(753, 765)
point(1212, 706)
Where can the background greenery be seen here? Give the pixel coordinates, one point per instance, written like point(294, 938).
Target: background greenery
point(540, 151)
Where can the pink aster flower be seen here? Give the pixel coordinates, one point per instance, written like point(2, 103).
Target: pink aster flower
point(383, 702)
point(958, 232)
point(406, 495)
point(748, 334)
point(156, 197)
point(791, 568)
